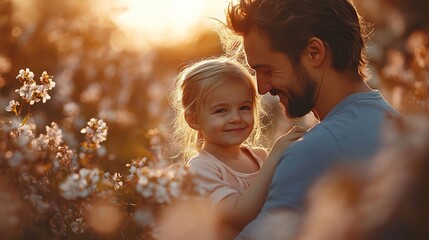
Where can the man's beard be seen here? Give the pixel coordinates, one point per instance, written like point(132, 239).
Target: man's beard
point(302, 102)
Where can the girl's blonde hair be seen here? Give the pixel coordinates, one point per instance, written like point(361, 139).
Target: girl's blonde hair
point(193, 84)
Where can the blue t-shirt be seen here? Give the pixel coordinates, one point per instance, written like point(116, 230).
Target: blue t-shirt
point(350, 132)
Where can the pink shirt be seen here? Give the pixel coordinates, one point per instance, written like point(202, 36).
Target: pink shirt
point(218, 179)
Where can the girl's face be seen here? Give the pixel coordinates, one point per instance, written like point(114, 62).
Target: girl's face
point(227, 119)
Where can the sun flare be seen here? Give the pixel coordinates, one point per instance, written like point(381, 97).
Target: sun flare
point(168, 22)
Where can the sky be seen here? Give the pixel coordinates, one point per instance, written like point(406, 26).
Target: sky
point(168, 22)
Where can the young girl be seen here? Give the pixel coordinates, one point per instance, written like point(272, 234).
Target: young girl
point(218, 126)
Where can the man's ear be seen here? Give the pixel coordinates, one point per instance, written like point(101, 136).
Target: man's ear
point(315, 52)
point(192, 121)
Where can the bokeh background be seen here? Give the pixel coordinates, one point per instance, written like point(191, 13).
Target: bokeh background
point(113, 60)
point(116, 60)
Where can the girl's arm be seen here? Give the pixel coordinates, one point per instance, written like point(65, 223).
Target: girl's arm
point(239, 210)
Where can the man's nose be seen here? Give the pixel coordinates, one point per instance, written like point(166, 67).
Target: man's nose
point(263, 86)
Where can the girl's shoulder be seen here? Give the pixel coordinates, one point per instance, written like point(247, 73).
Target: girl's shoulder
point(206, 166)
point(202, 159)
point(258, 152)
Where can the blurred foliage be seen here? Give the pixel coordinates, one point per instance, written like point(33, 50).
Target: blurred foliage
point(399, 51)
point(77, 43)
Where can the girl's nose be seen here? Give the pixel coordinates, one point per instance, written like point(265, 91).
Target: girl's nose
point(235, 117)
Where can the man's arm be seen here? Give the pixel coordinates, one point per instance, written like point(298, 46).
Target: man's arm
point(274, 224)
point(300, 166)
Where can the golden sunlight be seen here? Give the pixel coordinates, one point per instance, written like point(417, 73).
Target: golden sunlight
point(167, 22)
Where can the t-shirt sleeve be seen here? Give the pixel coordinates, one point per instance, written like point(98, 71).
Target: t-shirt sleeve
point(210, 178)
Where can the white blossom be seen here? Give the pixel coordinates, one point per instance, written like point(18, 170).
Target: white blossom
point(40, 143)
point(174, 189)
point(55, 134)
point(78, 226)
point(113, 180)
point(161, 194)
point(32, 92)
point(25, 75)
point(12, 106)
point(52, 139)
point(80, 184)
point(96, 131)
point(24, 135)
point(47, 81)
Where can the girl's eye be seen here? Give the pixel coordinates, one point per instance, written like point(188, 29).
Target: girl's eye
point(246, 107)
point(220, 110)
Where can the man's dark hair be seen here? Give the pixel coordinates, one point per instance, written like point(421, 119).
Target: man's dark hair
point(289, 24)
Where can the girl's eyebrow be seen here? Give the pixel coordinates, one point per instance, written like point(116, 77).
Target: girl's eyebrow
point(222, 104)
point(247, 101)
point(218, 105)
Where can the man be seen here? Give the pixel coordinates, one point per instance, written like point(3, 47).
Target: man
point(310, 53)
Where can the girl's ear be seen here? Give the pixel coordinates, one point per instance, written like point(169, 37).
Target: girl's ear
point(192, 121)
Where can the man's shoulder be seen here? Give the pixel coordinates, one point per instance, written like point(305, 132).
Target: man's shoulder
point(350, 133)
point(318, 136)
point(367, 106)
point(316, 144)
point(357, 118)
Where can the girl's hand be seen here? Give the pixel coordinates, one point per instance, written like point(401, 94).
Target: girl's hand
point(285, 140)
